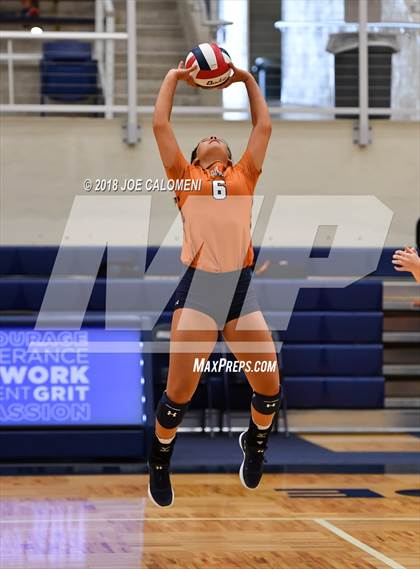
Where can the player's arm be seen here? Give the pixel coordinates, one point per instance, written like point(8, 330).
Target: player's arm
point(261, 121)
point(164, 134)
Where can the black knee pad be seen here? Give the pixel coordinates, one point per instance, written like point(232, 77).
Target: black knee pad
point(170, 414)
point(266, 404)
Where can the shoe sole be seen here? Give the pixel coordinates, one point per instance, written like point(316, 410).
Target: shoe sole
point(241, 470)
point(156, 503)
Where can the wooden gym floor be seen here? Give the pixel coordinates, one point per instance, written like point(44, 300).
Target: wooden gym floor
point(293, 521)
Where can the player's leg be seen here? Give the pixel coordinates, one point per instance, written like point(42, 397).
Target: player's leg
point(265, 384)
point(193, 335)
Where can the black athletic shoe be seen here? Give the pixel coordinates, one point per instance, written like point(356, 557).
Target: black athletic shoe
point(253, 443)
point(160, 488)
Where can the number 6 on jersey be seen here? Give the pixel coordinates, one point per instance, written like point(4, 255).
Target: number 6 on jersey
point(219, 189)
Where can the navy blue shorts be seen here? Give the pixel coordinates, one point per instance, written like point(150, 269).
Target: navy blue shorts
point(223, 296)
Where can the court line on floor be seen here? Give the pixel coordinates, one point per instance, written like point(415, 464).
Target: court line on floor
point(218, 519)
point(359, 544)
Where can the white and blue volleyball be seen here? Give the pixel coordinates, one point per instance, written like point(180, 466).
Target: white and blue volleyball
point(213, 65)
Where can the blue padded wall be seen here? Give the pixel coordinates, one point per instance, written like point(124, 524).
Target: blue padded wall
point(332, 341)
point(334, 392)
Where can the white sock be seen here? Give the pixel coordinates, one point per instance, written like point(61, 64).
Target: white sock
point(165, 441)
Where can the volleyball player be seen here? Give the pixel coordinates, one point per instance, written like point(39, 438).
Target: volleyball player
point(215, 293)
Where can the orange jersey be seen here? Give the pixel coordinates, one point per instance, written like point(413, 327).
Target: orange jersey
point(217, 216)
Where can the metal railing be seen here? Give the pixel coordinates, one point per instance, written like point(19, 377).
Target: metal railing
point(368, 35)
point(104, 65)
point(105, 35)
point(105, 22)
point(103, 39)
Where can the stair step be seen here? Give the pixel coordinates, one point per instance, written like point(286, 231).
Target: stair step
point(165, 33)
point(153, 41)
point(85, 8)
point(47, 27)
point(153, 73)
point(402, 387)
point(402, 403)
point(412, 370)
point(150, 86)
point(145, 65)
point(150, 73)
point(160, 56)
point(169, 15)
point(402, 304)
point(161, 45)
point(401, 337)
point(149, 99)
point(159, 26)
point(147, 5)
point(28, 77)
point(23, 46)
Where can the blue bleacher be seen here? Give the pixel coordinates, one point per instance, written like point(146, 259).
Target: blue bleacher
point(327, 327)
point(332, 392)
point(68, 72)
point(332, 351)
point(332, 359)
point(35, 260)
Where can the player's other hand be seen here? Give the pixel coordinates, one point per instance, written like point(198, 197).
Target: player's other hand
point(238, 75)
point(407, 260)
point(184, 74)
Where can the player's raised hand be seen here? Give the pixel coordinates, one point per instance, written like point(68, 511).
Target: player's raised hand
point(407, 260)
point(185, 74)
point(238, 75)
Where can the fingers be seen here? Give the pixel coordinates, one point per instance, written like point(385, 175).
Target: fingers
point(228, 82)
point(401, 256)
point(187, 70)
point(404, 261)
point(407, 251)
point(195, 67)
point(185, 73)
point(225, 84)
point(189, 78)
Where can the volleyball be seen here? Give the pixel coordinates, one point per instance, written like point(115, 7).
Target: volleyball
point(213, 65)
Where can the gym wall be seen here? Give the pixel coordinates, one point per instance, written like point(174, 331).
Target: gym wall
point(43, 164)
